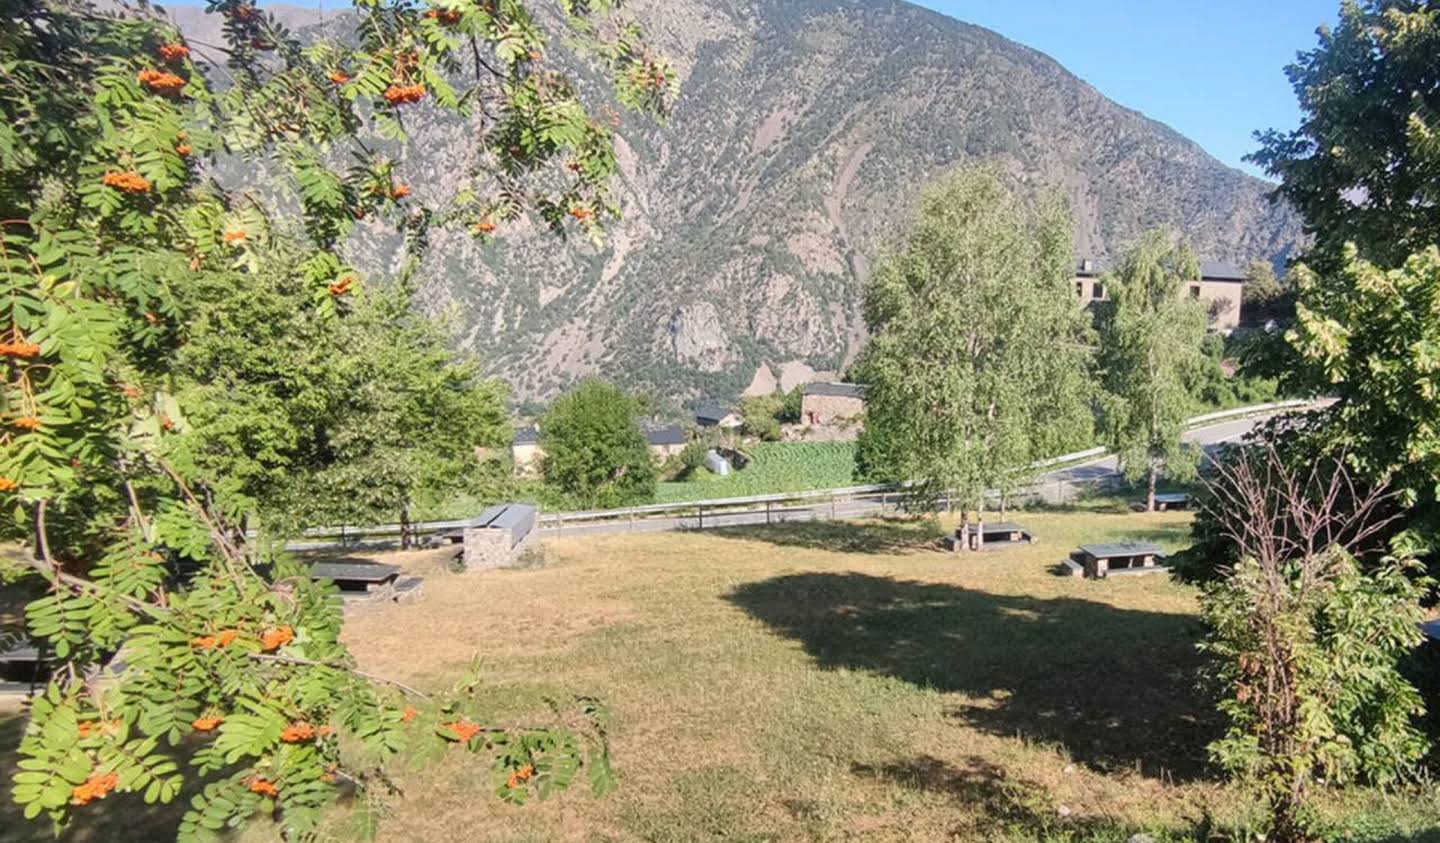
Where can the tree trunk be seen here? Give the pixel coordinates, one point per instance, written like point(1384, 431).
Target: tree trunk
point(406, 533)
point(1286, 826)
point(1150, 496)
point(980, 524)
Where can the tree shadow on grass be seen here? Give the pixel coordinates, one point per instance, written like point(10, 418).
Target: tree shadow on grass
point(118, 818)
point(879, 536)
point(1114, 687)
point(1007, 806)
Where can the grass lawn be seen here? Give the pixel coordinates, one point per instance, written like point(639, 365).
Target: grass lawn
point(832, 682)
point(775, 467)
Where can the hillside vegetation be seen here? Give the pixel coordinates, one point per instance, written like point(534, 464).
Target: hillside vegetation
point(803, 129)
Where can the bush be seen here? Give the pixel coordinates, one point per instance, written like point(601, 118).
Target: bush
point(761, 417)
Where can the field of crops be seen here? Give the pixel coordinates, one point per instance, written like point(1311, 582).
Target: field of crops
point(775, 467)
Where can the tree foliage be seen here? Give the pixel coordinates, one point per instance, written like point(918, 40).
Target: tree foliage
point(594, 448)
point(165, 621)
point(761, 416)
point(1150, 343)
point(976, 365)
point(1363, 168)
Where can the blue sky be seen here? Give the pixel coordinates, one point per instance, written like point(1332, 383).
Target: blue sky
point(1213, 70)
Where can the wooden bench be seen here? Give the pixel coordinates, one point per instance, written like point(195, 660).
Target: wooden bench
point(1100, 561)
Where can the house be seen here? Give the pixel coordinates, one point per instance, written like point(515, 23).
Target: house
point(665, 442)
point(525, 450)
point(1219, 286)
point(828, 403)
point(713, 416)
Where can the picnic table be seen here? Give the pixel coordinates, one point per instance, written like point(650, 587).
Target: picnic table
point(1173, 500)
point(21, 665)
point(370, 581)
point(998, 533)
point(1101, 560)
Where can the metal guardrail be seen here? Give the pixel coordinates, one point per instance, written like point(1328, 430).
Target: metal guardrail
point(848, 501)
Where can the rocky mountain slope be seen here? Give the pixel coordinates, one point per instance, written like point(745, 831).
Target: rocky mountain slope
point(804, 130)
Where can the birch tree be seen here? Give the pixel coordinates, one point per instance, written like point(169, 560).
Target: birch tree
point(977, 364)
point(1150, 337)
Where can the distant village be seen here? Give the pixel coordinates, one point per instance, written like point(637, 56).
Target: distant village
point(833, 410)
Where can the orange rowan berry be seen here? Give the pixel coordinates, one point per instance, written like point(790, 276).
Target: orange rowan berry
point(235, 236)
point(325, 731)
point(410, 713)
point(297, 732)
point(127, 182)
point(484, 227)
point(521, 775)
point(339, 77)
point(535, 55)
point(263, 786)
point(226, 638)
point(93, 788)
point(463, 729)
point(8, 485)
point(206, 724)
point(204, 642)
point(446, 17)
point(400, 191)
point(273, 639)
point(20, 348)
point(183, 150)
point(161, 81)
point(399, 94)
point(341, 287)
point(28, 423)
point(172, 53)
point(581, 213)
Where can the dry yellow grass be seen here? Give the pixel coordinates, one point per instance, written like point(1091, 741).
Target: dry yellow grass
point(832, 682)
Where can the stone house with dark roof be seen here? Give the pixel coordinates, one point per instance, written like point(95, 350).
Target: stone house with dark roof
point(665, 442)
point(829, 403)
point(1220, 286)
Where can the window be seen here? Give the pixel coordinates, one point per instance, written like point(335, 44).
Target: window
point(1098, 291)
point(1080, 289)
point(1194, 291)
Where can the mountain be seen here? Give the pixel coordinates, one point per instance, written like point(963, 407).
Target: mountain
point(804, 130)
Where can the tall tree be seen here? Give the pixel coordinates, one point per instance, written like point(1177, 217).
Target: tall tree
point(1364, 165)
point(413, 424)
point(594, 449)
point(1363, 170)
point(1150, 341)
point(977, 361)
point(1264, 297)
point(110, 221)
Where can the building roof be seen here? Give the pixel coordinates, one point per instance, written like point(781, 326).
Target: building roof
point(1217, 271)
point(711, 414)
point(670, 434)
point(1209, 270)
point(529, 435)
point(839, 390)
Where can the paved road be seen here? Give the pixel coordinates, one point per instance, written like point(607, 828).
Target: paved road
point(1206, 437)
point(1066, 483)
